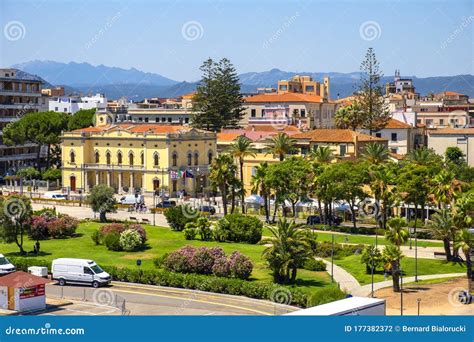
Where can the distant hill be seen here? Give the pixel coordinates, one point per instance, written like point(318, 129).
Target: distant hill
point(136, 85)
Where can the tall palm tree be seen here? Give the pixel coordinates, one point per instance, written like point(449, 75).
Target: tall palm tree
point(392, 256)
point(259, 186)
point(222, 174)
point(397, 233)
point(444, 187)
point(375, 153)
point(288, 249)
point(241, 148)
point(323, 154)
point(423, 156)
point(465, 242)
point(442, 227)
point(280, 145)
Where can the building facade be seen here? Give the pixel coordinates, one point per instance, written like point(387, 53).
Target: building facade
point(440, 139)
point(72, 104)
point(20, 93)
point(138, 158)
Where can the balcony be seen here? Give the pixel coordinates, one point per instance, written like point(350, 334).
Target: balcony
point(109, 167)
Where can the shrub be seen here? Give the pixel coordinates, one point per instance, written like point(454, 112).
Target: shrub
point(314, 265)
point(324, 250)
point(38, 228)
point(325, 295)
point(112, 228)
point(64, 226)
point(177, 217)
point(158, 261)
point(240, 265)
point(96, 237)
point(202, 261)
point(180, 260)
point(221, 267)
point(140, 230)
point(112, 241)
point(130, 240)
point(240, 228)
point(190, 233)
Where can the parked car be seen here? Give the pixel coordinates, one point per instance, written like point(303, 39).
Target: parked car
point(315, 219)
point(79, 271)
point(6, 266)
point(55, 196)
point(207, 209)
point(132, 199)
point(166, 204)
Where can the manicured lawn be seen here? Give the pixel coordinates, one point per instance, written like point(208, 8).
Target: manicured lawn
point(360, 239)
point(160, 241)
point(353, 265)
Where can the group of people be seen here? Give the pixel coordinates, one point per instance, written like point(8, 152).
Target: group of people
point(138, 207)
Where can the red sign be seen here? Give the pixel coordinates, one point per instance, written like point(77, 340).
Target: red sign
point(34, 291)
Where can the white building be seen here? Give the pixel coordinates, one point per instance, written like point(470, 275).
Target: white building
point(440, 139)
point(72, 104)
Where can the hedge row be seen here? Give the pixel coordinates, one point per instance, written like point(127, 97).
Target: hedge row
point(369, 231)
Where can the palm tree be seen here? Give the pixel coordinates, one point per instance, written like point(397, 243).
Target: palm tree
point(372, 258)
point(444, 184)
point(442, 227)
point(323, 154)
point(288, 249)
point(281, 145)
point(259, 185)
point(397, 233)
point(222, 174)
point(375, 153)
point(423, 156)
point(241, 148)
point(465, 242)
point(392, 256)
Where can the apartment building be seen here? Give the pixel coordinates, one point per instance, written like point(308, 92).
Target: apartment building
point(72, 104)
point(305, 85)
point(20, 93)
point(440, 139)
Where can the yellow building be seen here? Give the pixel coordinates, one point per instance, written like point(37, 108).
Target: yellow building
point(138, 157)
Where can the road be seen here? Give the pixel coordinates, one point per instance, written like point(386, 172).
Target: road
point(138, 299)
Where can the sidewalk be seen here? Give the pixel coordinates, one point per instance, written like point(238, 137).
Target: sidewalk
point(346, 281)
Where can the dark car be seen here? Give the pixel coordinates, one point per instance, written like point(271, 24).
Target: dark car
point(207, 209)
point(166, 204)
point(315, 219)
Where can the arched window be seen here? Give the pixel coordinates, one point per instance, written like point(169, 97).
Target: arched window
point(175, 159)
point(196, 158)
point(209, 157)
point(130, 158)
point(97, 157)
point(119, 158)
point(156, 159)
point(142, 158)
point(190, 159)
point(107, 158)
point(72, 156)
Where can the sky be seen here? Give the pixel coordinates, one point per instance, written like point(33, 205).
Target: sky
point(172, 38)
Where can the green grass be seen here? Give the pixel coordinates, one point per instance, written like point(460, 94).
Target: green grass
point(160, 241)
point(360, 239)
point(353, 265)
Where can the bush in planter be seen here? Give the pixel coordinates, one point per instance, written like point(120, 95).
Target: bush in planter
point(314, 265)
point(130, 240)
point(178, 216)
point(112, 241)
point(240, 228)
point(240, 265)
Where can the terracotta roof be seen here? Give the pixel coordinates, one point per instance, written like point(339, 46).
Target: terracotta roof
point(453, 131)
point(335, 135)
point(286, 97)
point(397, 124)
point(22, 279)
point(451, 93)
point(228, 136)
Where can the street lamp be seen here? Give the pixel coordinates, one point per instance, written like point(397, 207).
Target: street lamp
point(418, 301)
point(401, 292)
point(372, 271)
point(332, 258)
point(155, 194)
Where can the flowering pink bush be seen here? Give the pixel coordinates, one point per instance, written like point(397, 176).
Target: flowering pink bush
point(38, 228)
point(45, 226)
point(240, 265)
point(221, 267)
point(139, 229)
point(119, 228)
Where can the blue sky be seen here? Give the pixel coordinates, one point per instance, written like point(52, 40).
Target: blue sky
point(420, 37)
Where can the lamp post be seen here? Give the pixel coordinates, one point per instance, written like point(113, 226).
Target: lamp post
point(155, 193)
point(372, 272)
point(418, 301)
point(332, 259)
point(401, 292)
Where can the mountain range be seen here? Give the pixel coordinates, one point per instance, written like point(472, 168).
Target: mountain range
point(134, 84)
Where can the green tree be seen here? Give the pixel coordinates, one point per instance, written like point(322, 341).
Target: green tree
point(222, 176)
point(392, 256)
point(370, 94)
point(15, 219)
point(454, 155)
point(218, 100)
point(240, 149)
point(442, 227)
point(260, 186)
point(375, 153)
point(102, 201)
point(397, 232)
point(287, 250)
point(349, 117)
point(29, 173)
point(372, 258)
point(280, 145)
point(81, 119)
point(426, 157)
point(465, 242)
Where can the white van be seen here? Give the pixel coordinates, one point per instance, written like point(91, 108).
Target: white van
point(132, 199)
point(79, 271)
point(6, 266)
point(54, 195)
